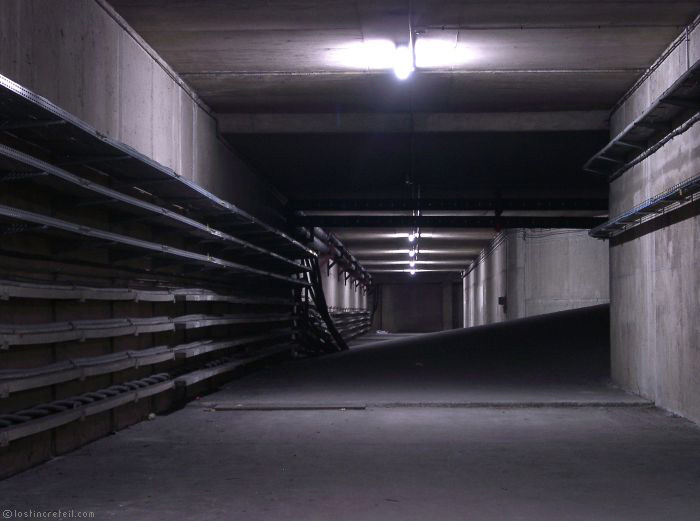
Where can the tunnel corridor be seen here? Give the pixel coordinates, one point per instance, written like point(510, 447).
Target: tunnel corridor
point(360, 260)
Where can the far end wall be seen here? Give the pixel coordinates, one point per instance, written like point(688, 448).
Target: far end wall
point(418, 306)
point(535, 271)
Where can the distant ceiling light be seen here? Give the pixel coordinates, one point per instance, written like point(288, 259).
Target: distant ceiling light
point(413, 272)
point(412, 252)
point(411, 237)
point(432, 52)
point(403, 62)
point(412, 264)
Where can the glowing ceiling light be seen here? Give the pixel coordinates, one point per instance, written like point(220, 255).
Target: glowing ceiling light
point(432, 52)
point(411, 237)
point(367, 55)
point(412, 264)
point(379, 54)
point(413, 272)
point(403, 62)
point(412, 252)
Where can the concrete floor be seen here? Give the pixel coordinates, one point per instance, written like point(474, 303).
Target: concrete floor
point(522, 441)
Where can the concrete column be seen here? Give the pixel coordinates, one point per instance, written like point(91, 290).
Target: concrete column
point(330, 285)
point(465, 302)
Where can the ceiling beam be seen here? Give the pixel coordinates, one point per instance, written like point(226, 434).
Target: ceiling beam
point(422, 263)
point(449, 204)
point(348, 123)
point(437, 238)
point(365, 254)
point(365, 221)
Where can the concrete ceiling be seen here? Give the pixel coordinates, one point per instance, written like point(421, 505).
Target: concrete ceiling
point(521, 115)
point(282, 55)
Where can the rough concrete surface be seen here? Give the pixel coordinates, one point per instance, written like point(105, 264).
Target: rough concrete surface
point(537, 271)
point(654, 269)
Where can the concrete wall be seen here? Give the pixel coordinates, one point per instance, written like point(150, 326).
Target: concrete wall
point(74, 53)
point(655, 288)
point(417, 307)
point(537, 271)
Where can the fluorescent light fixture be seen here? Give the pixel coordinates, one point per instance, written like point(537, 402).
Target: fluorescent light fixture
point(381, 54)
point(366, 55)
point(403, 62)
point(433, 52)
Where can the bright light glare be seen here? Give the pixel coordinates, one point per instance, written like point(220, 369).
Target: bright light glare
point(412, 252)
point(412, 264)
point(380, 54)
point(413, 272)
point(411, 237)
point(431, 52)
point(367, 55)
point(403, 62)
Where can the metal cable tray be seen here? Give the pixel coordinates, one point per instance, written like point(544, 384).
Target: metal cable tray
point(197, 321)
point(16, 166)
point(340, 311)
point(228, 364)
point(673, 112)
point(44, 223)
point(80, 330)
point(15, 380)
point(342, 322)
point(48, 416)
point(31, 290)
point(204, 295)
point(351, 328)
point(194, 349)
point(683, 193)
point(42, 126)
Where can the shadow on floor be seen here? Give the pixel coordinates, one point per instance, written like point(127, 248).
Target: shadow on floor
point(560, 357)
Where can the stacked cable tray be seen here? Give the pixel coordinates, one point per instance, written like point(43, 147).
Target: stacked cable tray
point(351, 322)
point(170, 285)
